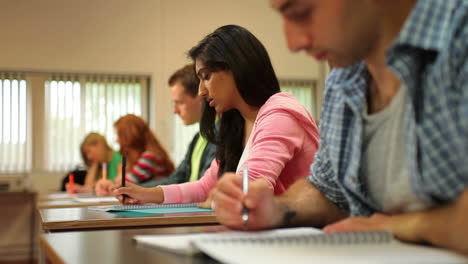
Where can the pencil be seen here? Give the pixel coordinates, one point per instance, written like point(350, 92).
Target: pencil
point(124, 165)
point(245, 189)
point(104, 171)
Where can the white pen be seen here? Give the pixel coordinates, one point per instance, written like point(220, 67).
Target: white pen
point(245, 189)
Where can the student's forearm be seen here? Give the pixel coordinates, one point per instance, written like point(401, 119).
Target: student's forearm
point(156, 195)
point(445, 226)
point(304, 205)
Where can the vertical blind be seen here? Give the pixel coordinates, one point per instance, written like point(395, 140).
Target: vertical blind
point(304, 91)
point(78, 105)
point(14, 148)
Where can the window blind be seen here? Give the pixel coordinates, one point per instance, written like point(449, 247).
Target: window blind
point(14, 146)
point(77, 105)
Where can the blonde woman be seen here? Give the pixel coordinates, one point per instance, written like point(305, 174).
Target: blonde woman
point(96, 154)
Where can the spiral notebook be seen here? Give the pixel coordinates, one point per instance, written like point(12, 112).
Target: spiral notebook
point(153, 208)
point(96, 199)
point(185, 243)
point(300, 245)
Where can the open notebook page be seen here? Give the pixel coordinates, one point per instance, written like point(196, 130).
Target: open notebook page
point(182, 243)
point(96, 199)
point(340, 250)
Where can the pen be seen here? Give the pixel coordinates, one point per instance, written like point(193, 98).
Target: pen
point(104, 171)
point(124, 165)
point(245, 189)
point(71, 183)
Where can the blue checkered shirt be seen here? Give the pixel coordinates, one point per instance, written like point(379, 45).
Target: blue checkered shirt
point(430, 56)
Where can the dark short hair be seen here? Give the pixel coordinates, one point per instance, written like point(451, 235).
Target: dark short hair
point(233, 48)
point(187, 77)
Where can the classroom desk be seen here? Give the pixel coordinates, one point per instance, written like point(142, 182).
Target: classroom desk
point(115, 246)
point(18, 226)
point(83, 218)
point(47, 198)
point(69, 204)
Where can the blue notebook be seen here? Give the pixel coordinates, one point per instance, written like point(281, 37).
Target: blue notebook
point(152, 208)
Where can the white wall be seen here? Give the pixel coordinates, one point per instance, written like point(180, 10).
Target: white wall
point(84, 35)
point(185, 22)
point(142, 36)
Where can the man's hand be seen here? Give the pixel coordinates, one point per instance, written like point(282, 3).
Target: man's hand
point(402, 226)
point(228, 201)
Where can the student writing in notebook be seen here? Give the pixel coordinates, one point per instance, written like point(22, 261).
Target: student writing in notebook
point(394, 124)
point(95, 152)
point(146, 157)
point(261, 128)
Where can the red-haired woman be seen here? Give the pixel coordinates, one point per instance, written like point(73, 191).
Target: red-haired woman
point(146, 157)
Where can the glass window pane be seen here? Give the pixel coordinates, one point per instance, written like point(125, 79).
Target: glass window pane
point(100, 100)
point(304, 91)
point(13, 125)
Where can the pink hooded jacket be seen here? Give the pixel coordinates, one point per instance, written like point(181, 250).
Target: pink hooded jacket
point(283, 143)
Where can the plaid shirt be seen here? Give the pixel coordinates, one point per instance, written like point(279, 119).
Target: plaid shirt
point(430, 56)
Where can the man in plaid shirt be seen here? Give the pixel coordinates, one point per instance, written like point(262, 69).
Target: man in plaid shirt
point(394, 125)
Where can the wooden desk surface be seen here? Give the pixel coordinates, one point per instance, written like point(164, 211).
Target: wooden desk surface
point(115, 246)
point(83, 218)
point(69, 204)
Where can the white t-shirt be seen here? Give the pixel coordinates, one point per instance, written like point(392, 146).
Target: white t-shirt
point(244, 156)
point(383, 163)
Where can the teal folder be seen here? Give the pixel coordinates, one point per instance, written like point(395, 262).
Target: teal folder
point(151, 209)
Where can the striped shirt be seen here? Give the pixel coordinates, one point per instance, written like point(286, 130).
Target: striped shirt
point(430, 56)
point(147, 167)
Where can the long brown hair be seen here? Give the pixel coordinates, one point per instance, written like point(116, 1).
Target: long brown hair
point(135, 137)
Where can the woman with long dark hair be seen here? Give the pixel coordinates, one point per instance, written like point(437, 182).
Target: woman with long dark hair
point(260, 128)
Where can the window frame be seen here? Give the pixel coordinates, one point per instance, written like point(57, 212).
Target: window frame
point(36, 113)
point(316, 92)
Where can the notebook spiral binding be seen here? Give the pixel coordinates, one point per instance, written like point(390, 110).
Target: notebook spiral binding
point(379, 237)
point(152, 206)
